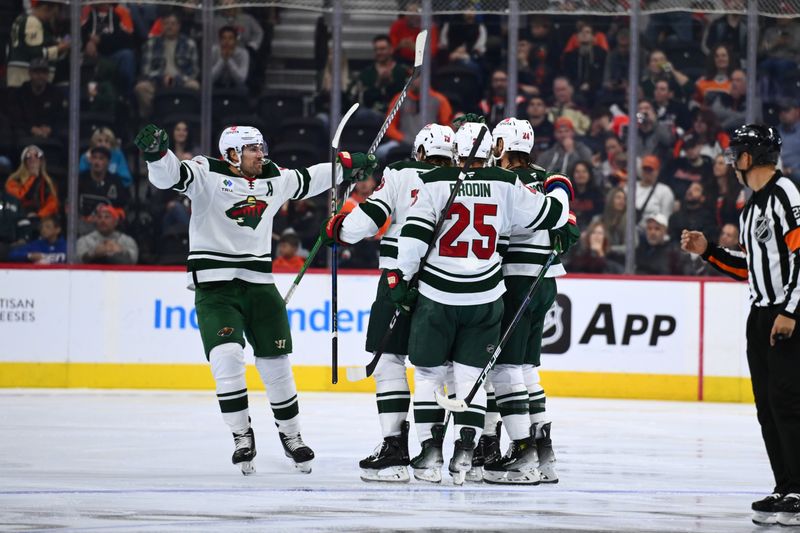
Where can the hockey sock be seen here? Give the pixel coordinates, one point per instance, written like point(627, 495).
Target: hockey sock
point(227, 367)
point(465, 378)
point(492, 414)
point(512, 400)
point(276, 373)
point(536, 397)
point(392, 393)
point(426, 411)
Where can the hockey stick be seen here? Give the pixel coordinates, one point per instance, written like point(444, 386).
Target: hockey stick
point(418, 56)
point(459, 406)
point(357, 373)
point(318, 244)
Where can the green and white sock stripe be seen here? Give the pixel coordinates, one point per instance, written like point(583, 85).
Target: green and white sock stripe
point(502, 244)
point(428, 412)
point(233, 402)
point(418, 228)
point(513, 403)
point(536, 402)
point(491, 402)
point(393, 401)
point(473, 416)
point(285, 410)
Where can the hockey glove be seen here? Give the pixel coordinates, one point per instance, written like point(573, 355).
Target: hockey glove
point(331, 229)
point(468, 117)
point(558, 181)
point(357, 166)
point(403, 296)
point(566, 236)
point(153, 142)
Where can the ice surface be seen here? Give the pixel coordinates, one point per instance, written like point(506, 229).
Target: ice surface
point(160, 461)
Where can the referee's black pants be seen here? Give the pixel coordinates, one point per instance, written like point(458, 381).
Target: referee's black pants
point(775, 374)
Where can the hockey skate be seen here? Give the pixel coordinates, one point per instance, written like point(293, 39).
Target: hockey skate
point(390, 461)
point(428, 464)
point(296, 450)
point(461, 462)
point(765, 511)
point(547, 458)
point(789, 510)
point(487, 451)
point(244, 451)
point(517, 467)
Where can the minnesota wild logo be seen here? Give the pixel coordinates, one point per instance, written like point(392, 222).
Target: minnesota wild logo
point(248, 212)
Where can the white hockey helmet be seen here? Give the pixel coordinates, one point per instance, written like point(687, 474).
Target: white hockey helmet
point(517, 135)
point(435, 140)
point(236, 138)
point(466, 136)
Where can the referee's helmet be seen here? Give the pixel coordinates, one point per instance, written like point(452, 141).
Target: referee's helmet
point(763, 143)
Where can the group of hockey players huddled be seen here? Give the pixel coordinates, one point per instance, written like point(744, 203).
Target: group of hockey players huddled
point(506, 220)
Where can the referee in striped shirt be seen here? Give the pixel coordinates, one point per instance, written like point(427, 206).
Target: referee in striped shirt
point(769, 236)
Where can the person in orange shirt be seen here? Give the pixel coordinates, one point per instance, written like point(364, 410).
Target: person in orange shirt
point(362, 191)
point(717, 78)
point(288, 260)
point(32, 185)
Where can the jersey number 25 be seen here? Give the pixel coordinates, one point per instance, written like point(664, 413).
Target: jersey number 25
point(448, 247)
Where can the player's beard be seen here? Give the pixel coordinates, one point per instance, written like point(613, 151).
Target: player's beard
point(254, 169)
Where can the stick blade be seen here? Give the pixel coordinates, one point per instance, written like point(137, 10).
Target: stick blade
point(419, 47)
point(356, 373)
point(345, 118)
point(453, 405)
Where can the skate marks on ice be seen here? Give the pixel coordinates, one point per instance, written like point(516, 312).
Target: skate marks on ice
point(121, 461)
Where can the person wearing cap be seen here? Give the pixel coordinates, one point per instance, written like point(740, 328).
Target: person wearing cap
point(652, 197)
point(566, 151)
point(32, 185)
point(106, 244)
point(31, 38)
point(37, 108)
point(656, 254)
point(693, 167)
point(654, 136)
point(99, 186)
point(789, 130)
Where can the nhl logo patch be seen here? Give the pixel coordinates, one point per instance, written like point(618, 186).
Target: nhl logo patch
point(762, 229)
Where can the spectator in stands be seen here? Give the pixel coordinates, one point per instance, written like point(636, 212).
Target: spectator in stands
point(731, 108)
point(615, 71)
point(614, 221)
point(691, 167)
point(592, 254)
point(717, 78)
point(99, 186)
point(599, 129)
point(543, 130)
point(106, 244)
point(170, 60)
point(670, 26)
point(710, 136)
point(654, 137)
point(32, 37)
point(660, 68)
point(566, 151)
point(408, 120)
point(494, 107)
point(729, 237)
point(588, 200)
point(652, 197)
point(37, 108)
point(729, 30)
point(585, 64)
point(50, 248)
point(230, 63)
point(107, 33)
point(33, 186)
point(789, 129)
point(564, 105)
point(249, 32)
point(526, 74)
point(181, 142)
point(607, 165)
point(656, 254)
point(730, 194)
point(379, 82)
point(694, 214)
point(117, 165)
point(464, 39)
point(288, 260)
point(404, 30)
point(670, 112)
point(780, 50)
point(545, 54)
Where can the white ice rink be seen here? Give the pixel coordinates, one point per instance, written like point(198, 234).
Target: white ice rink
point(160, 461)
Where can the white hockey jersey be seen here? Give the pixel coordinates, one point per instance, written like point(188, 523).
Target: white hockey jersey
point(464, 267)
point(230, 230)
point(392, 198)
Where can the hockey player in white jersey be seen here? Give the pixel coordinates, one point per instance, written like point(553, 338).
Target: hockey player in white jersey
point(433, 147)
point(459, 310)
point(520, 397)
point(234, 200)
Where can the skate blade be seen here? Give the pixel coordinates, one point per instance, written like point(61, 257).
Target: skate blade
point(548, 474)
point(428, 475)
point(392, 474)
point(511, 478)
point(475, 475)
point(248, 468)
point(788, 519)
point(764, 519)
point(459, 477)
point(304, 468)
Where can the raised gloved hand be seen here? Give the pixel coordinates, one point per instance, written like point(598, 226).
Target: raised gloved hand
point(468, 117)
point(403, 296)
point(152, 141)
point(566, 236)
point(557, 181)
point(330, 230)
point(357, 166)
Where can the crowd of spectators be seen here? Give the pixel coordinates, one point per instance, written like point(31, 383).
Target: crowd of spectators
point(141, 62)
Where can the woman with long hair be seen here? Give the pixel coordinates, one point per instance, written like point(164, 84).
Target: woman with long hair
point(118, 164)
point(710, 135)
point(717, 78)
point(32, 185)
point(181, 140)
point(588, 200)
point(730, 199)
point(592, 254)
point(614, 220)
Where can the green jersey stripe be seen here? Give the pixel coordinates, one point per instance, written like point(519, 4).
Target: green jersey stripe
point(461, 287)
point(422, 221)
point(527, 258)
point(229, 256)
point(415, 232)
point(194, 265)
point(382, 204)
point(304, 181)
point(388, 250)
point(375, 213)
point(545, 249)
point(486, 272)
point(553, 214)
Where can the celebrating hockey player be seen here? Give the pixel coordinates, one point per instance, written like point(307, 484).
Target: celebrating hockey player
point(459, 312)
point(230, 268)
point(392, 199)
point(520, 397)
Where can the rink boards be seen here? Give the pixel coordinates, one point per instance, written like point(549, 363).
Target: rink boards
point(610, 337)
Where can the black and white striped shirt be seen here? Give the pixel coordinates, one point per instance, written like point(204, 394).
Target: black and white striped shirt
point(769, 234)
